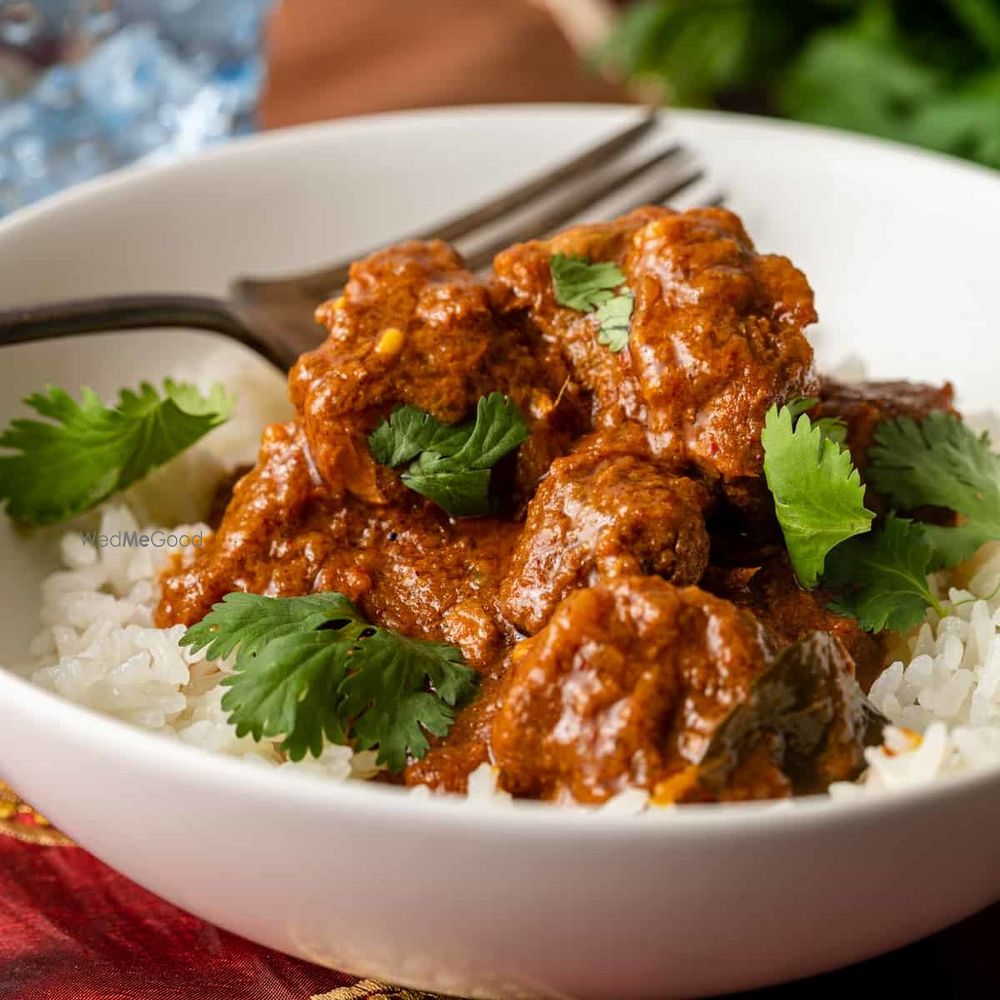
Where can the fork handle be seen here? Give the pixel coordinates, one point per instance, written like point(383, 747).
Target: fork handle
point(130, 312)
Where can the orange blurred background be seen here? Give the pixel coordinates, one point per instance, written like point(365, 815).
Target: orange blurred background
point(329, 58)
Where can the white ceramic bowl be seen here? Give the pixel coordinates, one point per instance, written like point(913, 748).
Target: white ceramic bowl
point(474, 899)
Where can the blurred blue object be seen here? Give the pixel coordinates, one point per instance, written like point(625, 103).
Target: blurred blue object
point(89, 85)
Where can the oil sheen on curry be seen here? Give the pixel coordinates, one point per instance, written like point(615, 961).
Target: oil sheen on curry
point(627, 602)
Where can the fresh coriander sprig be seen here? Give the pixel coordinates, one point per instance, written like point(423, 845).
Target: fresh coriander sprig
point(940, 462)
point(884, 576)
point(596, 288)
point(834, 428)
point(313, 667)
point(87, 451)
point(451, 464)
point(819, 498)
point(881, 576)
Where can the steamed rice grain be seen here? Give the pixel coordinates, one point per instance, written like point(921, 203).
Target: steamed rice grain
point(944, 699)
point(98, 647)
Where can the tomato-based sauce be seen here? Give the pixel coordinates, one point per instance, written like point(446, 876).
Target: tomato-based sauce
point(629, 585)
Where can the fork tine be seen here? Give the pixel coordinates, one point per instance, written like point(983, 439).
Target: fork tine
point(668, 191)
point(581, 164)
point(566, 209)
point(335, 276)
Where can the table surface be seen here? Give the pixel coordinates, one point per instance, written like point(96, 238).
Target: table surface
point(70, 928)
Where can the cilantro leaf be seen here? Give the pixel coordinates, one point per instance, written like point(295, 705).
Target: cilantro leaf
point(387, 697)
point(581, 285)
point(87, 451)
point(952, 546)
point(289, 688)
point(499, 428)
point(251, 621)
point(835, 428)
point(885, 577)
point(799, 405)
point(452, 464)
point(590, 287)
point(409, 431)
point(458, 492)
point(313, 667)
point(614, 317)
point(818, 494)
point(940, 462)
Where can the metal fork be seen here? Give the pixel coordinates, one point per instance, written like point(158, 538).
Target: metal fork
point(274, 317)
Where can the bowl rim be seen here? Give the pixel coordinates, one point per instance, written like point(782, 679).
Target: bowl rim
point(145, 169)
point(229, 774)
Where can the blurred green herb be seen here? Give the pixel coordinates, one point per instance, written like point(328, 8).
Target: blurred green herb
point(926, 73)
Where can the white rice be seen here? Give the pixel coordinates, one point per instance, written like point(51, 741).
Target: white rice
point(98, 647)
point(943, 694)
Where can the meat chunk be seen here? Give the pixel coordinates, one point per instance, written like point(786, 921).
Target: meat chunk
point(864, 405)
point(415, 327)
point(600, 516)
point(788, 613)
point(622, 688)
point(405, 562)
point(715, 339)
point(638, 683)
point(524, 285)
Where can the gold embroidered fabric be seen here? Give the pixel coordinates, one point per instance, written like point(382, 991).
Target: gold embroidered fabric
point(369, 989)
point(20, 821)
